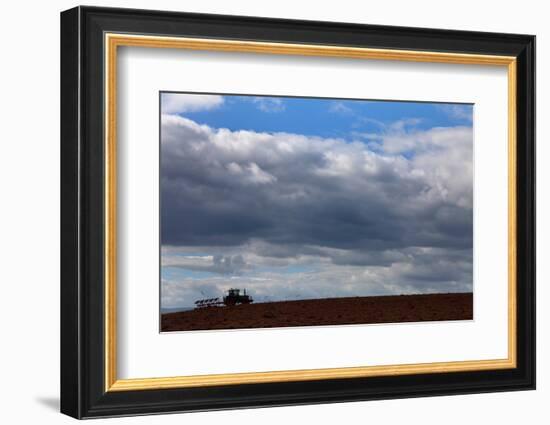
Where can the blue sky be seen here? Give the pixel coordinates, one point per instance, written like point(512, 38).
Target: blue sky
point(296, 198)
point(326, 117)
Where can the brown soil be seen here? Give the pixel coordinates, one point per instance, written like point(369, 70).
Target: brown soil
point(327, 311)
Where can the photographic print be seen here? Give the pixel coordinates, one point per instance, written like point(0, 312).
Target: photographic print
point(319, 194)
point(299, 211)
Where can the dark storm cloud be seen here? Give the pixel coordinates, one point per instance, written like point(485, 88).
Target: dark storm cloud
point(223, 188)
point(403, 212)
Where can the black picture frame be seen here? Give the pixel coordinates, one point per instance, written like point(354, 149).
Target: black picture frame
point(83, 392)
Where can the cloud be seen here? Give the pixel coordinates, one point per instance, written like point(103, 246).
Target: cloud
point(340, 108)
point(177, 103)
point(221, 264)
point(313, 216)
point(459, 112)
point(269, 104)
point(426, 272)
point(314, 191)
point(251, 173)
point(426, 140)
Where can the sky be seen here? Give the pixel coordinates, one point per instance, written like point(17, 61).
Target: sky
point(300, 198)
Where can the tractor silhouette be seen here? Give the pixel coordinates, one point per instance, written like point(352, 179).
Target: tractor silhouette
point(232, 298)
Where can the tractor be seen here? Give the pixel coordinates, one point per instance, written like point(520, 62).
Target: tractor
point(232, 298)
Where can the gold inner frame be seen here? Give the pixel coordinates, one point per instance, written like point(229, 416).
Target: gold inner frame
point(113, 41)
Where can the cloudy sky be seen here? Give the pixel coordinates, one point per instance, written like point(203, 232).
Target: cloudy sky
point(295, 198)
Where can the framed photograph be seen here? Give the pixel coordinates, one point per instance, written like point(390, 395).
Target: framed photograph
point(261, 212)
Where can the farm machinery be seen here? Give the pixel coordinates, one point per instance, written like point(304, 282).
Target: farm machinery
point(233, 297)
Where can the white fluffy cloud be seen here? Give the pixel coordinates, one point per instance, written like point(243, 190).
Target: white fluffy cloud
point(176, 103)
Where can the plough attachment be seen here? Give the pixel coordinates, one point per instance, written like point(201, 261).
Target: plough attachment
point(209, 302)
